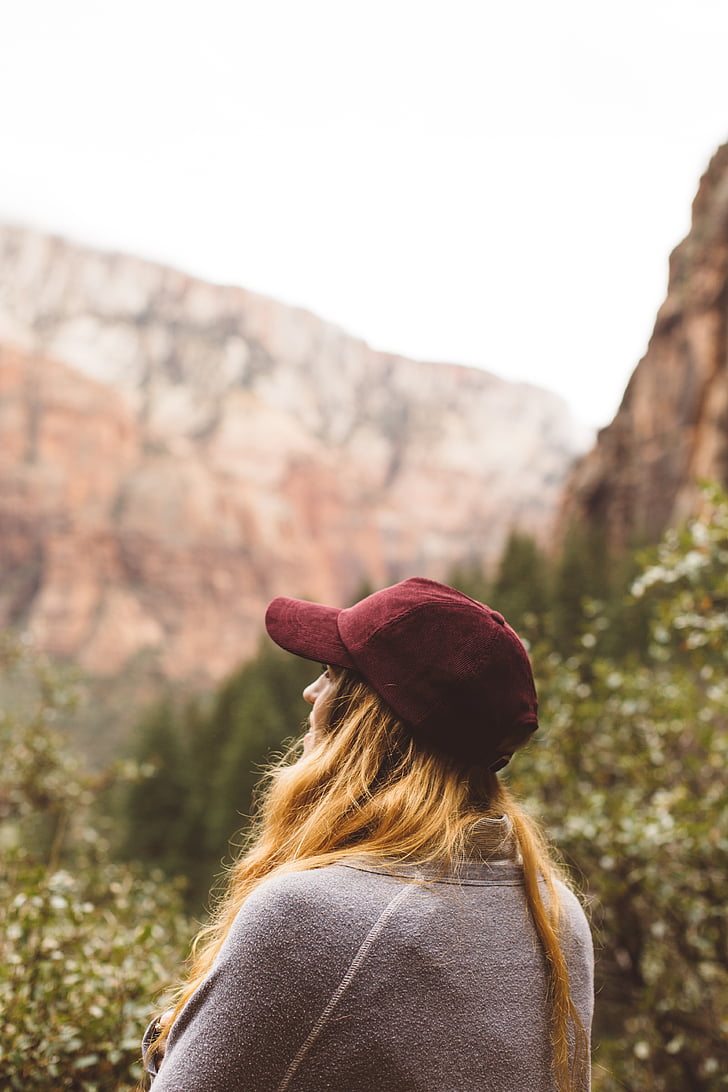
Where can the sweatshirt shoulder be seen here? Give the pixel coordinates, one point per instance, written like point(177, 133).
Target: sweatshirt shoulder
point(312, 887)
point(574, 921)
point(302, 905)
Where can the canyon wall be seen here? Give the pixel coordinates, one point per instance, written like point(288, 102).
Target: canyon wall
point(671, 430)
point(175, 453)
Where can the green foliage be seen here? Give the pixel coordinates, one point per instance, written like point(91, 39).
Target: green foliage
point(255, 713)
point(160, 810)
point(86, 943)
point(471, 579)
point(202, 762)
point(629, 779)
point(522, 587)
point(547, 599)
point(631, 783)
point(582, 571)
point(687, 577)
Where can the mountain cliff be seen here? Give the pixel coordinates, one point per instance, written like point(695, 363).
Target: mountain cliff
point(671, 430)
point(174, 453)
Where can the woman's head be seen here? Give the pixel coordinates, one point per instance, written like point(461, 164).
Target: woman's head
point(364, 783)
point(451, 669)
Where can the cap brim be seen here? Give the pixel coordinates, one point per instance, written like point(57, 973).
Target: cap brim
point(307, 629)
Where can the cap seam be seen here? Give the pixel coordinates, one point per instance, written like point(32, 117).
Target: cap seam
point(406, 612)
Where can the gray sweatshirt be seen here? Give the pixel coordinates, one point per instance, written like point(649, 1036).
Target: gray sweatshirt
point(358, 978)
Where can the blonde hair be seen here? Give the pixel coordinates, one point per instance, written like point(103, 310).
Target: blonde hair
point(367, 787)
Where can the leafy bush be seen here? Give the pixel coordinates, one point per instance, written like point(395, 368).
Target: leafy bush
point(631, 784)
point(86, 943)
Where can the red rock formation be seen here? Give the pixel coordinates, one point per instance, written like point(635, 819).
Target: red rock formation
point(671, 430)
point(201, 449)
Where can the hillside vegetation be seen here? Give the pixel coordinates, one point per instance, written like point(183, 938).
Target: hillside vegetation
point(627, 774)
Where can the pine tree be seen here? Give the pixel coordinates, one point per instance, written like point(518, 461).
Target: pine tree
point(201, 762)
point(521, 590)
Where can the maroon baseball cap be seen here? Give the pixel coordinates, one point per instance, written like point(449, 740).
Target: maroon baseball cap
point(451, 668)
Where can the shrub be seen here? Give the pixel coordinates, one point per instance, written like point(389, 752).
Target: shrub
point(87, 943)
point(631, 784)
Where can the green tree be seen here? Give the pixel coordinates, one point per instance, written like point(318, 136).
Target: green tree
point(521, 590)
point(202, 761)
point(470, 578)
point(162, 811)
point(257, 712)
point(581, 572)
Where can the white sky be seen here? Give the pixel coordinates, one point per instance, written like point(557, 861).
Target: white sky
point(490, 183)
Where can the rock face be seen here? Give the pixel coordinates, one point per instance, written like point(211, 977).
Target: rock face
point(671, 430)
point(173, 454)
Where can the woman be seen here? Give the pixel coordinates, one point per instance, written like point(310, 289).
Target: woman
point(397, 923)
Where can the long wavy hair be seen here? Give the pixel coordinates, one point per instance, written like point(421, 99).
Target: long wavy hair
point(367, 787)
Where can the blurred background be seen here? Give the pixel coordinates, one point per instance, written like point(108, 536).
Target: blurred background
point(303, 300)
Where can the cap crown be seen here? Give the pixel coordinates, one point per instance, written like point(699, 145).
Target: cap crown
point(450, 667)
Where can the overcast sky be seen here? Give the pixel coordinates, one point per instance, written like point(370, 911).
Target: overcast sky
point(490, 183)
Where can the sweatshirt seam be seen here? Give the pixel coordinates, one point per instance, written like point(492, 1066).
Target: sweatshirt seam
point(346, 981)
point(457, 881)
